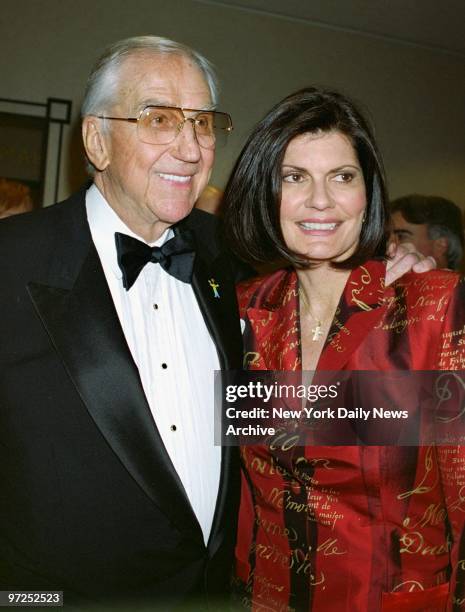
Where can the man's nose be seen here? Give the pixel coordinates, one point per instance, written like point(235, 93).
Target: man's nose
point(186, 145)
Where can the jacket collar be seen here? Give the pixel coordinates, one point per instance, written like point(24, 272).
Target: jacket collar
point(274, 308)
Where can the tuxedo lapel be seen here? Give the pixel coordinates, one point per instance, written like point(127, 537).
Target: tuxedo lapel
point(222, 320)
point(220, 313)
point(214, 288)
point(83, 326)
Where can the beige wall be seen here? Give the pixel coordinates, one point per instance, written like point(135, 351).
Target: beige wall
point(416, 96)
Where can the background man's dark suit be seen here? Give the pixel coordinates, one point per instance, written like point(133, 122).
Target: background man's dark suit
point(90, 502)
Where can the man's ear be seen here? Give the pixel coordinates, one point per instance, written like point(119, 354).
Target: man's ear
point(95, 142)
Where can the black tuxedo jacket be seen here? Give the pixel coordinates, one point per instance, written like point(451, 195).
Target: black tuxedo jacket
point(90, 502)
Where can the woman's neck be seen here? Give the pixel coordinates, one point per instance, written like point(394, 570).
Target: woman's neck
point(321, 288)
point(319, 292)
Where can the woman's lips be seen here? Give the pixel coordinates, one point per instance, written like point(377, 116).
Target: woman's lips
point(313, 225)
point(319, 228)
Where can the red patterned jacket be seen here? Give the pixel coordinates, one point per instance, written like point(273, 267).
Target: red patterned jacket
point(355, 528)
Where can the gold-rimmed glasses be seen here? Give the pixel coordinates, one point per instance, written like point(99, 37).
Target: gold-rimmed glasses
point(161, 125)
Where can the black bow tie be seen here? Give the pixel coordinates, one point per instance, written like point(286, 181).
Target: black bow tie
point(176, 256)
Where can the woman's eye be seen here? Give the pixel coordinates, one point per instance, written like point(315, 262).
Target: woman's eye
point(344, 177)
point(294, 177)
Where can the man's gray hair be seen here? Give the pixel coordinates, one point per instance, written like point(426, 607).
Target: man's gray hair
point(104, 80)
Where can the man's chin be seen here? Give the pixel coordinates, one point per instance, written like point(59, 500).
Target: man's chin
point(174, 211)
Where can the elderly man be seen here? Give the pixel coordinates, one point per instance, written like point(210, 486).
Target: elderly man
point(117, 305)
point(111, 483)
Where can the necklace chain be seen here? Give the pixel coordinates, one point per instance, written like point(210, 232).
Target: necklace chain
point(317, 331)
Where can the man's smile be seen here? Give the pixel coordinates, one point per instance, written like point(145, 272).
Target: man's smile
point(176, 178)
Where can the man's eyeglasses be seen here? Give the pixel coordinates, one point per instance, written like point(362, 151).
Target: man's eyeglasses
point(161, 125)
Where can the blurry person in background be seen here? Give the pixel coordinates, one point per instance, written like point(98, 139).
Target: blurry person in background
point(15, 198)
point(433, 224)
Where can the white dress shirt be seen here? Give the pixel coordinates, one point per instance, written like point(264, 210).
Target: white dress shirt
point(172, 348)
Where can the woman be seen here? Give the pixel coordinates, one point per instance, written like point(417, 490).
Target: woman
point(342, 527)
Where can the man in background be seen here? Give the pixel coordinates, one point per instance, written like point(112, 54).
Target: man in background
point(433, 224)
point(15, 198)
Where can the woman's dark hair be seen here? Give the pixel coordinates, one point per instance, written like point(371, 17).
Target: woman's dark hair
point(253, 193)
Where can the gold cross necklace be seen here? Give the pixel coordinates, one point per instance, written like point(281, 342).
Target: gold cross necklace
point(317, 331)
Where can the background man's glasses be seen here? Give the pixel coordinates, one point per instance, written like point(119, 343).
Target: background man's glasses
point(161, 125)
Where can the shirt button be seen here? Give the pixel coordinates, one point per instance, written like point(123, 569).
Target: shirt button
point(155, 306)
point(164, 366)
point(173, 427)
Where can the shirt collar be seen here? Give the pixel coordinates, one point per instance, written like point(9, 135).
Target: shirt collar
point(104, 223)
